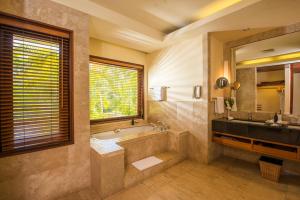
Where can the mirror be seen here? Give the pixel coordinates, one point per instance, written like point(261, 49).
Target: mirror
point(269, 73)
point(222, 82)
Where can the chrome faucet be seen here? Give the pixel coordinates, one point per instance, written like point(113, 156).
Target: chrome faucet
point(162, 126)
point(133, 122)
point(250, 117)
point(117, 130)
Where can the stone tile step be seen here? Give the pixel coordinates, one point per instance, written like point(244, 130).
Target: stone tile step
point(134, 176)
point(146, 163)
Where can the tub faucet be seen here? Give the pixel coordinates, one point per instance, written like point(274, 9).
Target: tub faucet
point(133, 122)
point(250, 118)
point(162, 126)
point(117, 130)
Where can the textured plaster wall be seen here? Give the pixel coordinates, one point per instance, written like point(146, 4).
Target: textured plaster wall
point(113, 51)
point(180, 67)
point(52, 173)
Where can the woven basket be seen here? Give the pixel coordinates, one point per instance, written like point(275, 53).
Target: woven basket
point(270, 171)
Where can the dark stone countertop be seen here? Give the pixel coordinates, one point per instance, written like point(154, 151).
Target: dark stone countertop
point(258, 130)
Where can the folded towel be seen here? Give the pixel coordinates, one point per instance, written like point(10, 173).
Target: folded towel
point(159, 93)
point(219, 105)
point(163, 93)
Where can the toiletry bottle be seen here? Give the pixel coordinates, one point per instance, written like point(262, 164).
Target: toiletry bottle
point(279, 116)
point(275, 118)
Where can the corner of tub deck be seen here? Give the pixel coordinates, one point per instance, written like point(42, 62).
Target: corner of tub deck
point(106, 149)
point(178, 132)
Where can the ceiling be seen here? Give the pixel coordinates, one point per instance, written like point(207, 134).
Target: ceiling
point(148, 25)
point(163, 15)
point(280, 45)
point(227, 36)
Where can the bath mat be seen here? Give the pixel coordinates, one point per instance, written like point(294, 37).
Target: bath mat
point(146, 163)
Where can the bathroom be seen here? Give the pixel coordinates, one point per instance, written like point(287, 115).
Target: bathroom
point(136, 104)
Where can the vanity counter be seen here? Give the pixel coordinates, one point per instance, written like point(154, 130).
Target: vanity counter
point(279, 141)
point(258, 130)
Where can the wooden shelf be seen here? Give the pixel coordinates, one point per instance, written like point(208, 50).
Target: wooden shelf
point(275, 152)
point(273, 83)
point(233, 143)
point(275, 149)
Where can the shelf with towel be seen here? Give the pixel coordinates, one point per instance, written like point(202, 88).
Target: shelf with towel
point(159, 93)
point(219, 105)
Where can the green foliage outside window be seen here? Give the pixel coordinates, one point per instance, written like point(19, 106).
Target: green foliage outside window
point(35, 85)
point(113, 91)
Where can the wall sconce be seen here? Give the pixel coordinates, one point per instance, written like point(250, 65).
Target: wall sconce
point(226, 69)
point(235, 86)
point(197, 92)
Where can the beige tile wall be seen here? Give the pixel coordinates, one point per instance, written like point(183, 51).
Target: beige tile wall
point(180, 67)
point(143, 147)
point(107, 172)
point(52, 173)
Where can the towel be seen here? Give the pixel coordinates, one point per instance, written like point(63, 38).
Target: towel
point(159, 93)
point(163, 93)
point(219, 105)
point(234, 106)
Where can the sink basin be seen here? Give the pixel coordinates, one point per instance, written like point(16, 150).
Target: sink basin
point(262, 123)
point(294, 127)
point(259, 130)
point(248, 122)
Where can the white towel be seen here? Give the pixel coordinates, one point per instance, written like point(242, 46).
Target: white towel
point(163, 94)
point(159, 93)
point(234, 106)
point(219, 105)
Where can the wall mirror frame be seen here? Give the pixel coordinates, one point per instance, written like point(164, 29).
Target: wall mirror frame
point(230, 49)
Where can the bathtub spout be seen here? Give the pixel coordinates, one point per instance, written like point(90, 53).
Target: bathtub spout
point(117, 130)
point(133, 122)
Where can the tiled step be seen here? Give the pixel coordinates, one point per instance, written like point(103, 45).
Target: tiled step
point(146, 163)
point(134, 176)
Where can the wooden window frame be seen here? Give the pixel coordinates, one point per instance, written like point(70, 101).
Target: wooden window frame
point(140, 68)
point(40, 27)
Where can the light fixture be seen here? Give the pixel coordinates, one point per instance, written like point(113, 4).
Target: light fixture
point(271, 59)
point(235, 85)
point(226, 69)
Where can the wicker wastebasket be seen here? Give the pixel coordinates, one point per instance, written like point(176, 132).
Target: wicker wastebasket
point(270, 168)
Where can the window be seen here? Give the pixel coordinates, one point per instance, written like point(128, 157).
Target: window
point(35, 86)
point(116, 90)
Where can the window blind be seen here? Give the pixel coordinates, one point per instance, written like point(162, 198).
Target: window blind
point(34, 90)
point(116, 90)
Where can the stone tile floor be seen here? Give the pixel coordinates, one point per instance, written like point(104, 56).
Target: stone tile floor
point(224, 179)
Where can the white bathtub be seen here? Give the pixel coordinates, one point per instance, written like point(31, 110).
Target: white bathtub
point(124, 133)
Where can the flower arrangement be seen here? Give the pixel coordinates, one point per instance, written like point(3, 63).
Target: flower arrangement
point(228, 101)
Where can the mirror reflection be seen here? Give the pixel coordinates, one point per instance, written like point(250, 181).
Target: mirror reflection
point(269, 73)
